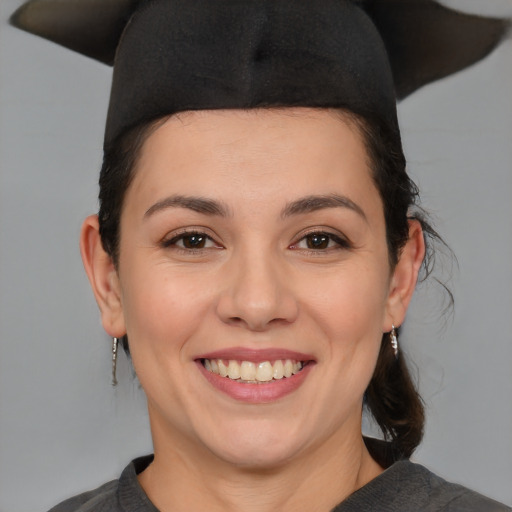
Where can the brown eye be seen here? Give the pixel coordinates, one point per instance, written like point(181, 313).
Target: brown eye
point(321, 241)
point(195, 241)
point(317, 241)
point(190, 241)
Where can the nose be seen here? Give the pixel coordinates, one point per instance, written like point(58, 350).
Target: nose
point(257, 293)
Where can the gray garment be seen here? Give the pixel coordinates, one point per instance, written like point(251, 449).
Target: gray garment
point(403, 487)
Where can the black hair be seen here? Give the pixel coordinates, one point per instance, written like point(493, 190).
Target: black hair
point(118, 169)
point(392, 397)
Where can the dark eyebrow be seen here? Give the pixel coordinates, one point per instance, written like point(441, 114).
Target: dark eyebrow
point(197, 204)
point(312, 203)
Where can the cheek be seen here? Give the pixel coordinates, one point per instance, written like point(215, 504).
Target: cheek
point(347, 311)
point(352, 300)
point(163, 308)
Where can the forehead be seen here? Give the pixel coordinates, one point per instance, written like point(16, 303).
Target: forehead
point(308, 140)
point(259, 156)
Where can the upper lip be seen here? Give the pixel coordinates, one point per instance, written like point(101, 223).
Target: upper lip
point(256, 355)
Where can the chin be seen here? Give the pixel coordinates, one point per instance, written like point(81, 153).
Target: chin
point(256, 459)
point(257, 449)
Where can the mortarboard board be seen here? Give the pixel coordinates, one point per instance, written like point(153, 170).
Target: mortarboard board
point(171, 56)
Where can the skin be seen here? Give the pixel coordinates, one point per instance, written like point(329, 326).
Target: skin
point(254, 284)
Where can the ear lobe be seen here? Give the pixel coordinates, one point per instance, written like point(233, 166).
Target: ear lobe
point(405, 276)
point(103, 277)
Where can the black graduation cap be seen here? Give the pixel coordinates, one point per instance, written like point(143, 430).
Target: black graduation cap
point(175, 55)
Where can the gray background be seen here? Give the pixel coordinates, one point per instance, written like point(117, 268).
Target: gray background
point(64, 429)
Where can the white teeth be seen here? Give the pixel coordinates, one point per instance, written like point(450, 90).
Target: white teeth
point(278, 369)
point(233, 370)
point(288, 368)
point(264, 372)
point(297, 368)
point(223, 371)
point(247, 371)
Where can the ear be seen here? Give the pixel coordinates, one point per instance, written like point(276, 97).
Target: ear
point(103, 277)
point(405, 276)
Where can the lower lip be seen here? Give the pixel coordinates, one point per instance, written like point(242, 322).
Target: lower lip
point(256, 393)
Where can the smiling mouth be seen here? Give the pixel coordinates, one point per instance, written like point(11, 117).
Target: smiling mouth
point(254, 373)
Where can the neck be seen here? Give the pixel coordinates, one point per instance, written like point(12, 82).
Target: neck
point(181, 479)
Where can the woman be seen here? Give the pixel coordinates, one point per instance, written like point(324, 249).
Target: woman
point(273, 245)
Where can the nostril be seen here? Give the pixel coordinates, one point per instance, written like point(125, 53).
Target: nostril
point(237, 321)
point(254, 324)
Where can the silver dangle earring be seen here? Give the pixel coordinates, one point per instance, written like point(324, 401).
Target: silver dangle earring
point(394, 341)
point(115, 344)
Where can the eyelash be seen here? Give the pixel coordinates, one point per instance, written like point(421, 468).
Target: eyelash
point(173, 242)
point(340, 243)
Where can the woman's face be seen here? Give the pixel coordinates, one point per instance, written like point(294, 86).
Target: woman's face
point(254, 243)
